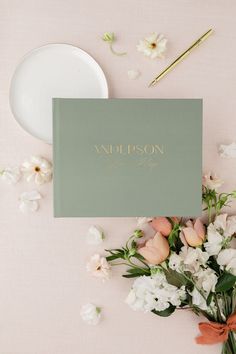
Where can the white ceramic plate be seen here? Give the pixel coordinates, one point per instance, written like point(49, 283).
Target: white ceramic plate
point(55, 70)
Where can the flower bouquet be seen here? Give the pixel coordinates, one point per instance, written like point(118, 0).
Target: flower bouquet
point(187, 264)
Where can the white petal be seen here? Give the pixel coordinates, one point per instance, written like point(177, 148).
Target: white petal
point(30, 196)
point(228, 151)
point(133, 74)
point(11, 175)
point(95, 235)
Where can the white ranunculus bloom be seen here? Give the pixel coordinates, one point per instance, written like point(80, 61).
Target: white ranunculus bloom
point(91, 314)
point(219, 233)
point(99, 267)
point(29, 201)
point(227, 259)
point(153, 46)
point(228, 151)
point(206, 279)
point(198, 300)
point(10, 175)
point(37, 169)
point(154, 293)
point(95, 235)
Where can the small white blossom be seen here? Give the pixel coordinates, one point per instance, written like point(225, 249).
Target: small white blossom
point(198, 300)
point(29, 201)
point(133, 74)
point(99, 267)
point(219, 233)
point(95, 235)
point(91, 314)
point(227, 259)
point(153, 46)
point(10, 175)
point(37, 169)
point(193, 258)
point(206, 279)
point(154, 293)
point(228, 151)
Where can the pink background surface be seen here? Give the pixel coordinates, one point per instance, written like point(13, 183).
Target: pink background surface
point(42, 260)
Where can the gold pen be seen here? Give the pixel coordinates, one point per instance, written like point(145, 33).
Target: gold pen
point(181, 57)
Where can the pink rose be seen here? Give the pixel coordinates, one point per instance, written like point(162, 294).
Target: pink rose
point(194, 234)
point(162, 225)
point(156, 250)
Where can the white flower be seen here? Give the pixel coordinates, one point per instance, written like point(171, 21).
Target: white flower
point(193, 258)
point(206, 279)
point(175, 262)
point(228, 151)
point(153, 46)
point(91, 314)
point(219, 233)
point(99, 267)
point(95, 235)
point(10, 175)
point(154, 293)
point(211, 181)
point(29, 201)
point(143, 220)
point(133, 74)
point(227, 258)
point(38, 169)
point(198, 300)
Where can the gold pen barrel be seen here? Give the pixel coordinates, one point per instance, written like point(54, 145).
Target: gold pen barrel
point(181, 57)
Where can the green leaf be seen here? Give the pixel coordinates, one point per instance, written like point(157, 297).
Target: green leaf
point(175, 278)
point(225, 282)
point(167, 312)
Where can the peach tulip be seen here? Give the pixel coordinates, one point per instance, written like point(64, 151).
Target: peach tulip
point(156, 250)
point(194, 233)
point(162, 225)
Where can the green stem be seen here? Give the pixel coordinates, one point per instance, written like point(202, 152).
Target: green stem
point(114, 52)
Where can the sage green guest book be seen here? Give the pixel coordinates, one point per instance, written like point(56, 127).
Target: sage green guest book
point(127, 157)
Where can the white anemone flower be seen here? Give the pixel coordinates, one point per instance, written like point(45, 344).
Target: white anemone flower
point(153, 46)
point(211, 181)
point(99, 267)
point(37, 169)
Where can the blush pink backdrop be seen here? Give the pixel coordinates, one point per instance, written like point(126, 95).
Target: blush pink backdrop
point(43, 281)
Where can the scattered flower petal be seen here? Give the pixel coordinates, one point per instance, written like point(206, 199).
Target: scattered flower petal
point(37, 169)
point(95, 235)
point(228, 151)
point(10, 175)
point(153, 46)
point(99, 267)
point(133, 74)
point(29, 201)
point(91, 314)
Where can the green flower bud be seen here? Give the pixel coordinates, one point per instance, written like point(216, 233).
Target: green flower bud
point(108, 37)
point(138, 233)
